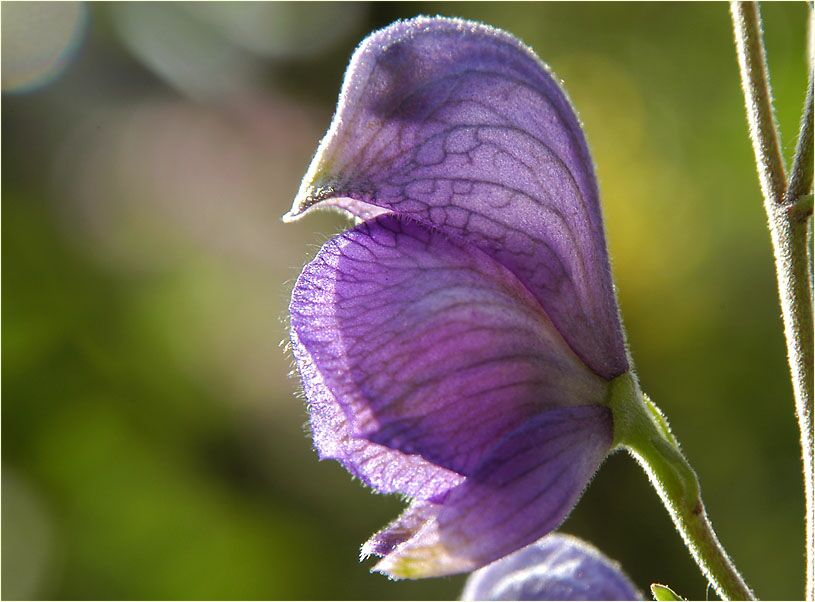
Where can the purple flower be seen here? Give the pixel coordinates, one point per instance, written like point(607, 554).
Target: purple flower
point(558, 567)
point(457, 346)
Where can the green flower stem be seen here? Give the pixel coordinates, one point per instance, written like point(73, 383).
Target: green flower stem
point(787, 206)
point(755, 82)
point(640, 428)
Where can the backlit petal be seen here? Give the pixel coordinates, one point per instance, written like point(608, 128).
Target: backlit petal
point(461, 125)
point(428, 345)
point(558, 567)
point(522, 491)
point(403, 528)
point(383, 469)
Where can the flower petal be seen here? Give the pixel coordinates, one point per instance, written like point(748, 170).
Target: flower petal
point(558, 567)
point(462, 126)
point(403, 528)
point(383, 469)
point(522, 491)
point(429, 345)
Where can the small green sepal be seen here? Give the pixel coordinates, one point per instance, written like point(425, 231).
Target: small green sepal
point(663, 592)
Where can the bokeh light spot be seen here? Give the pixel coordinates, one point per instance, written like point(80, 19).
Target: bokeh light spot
point(39, 40)
point(27, 530)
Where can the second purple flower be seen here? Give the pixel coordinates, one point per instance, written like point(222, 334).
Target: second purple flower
point(458, 345)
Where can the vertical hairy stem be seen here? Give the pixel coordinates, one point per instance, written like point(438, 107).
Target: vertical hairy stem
point(789, 234)
point(755, 83)
point(801, 176)
point(787, 208)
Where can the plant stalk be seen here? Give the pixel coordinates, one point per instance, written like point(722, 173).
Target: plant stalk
point(783, 203)
point(642, 429)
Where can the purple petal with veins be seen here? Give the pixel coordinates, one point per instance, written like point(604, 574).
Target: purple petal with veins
point(402, 529)
point(429, 345)
point(383, 469)
point(461, 126)
point(457, 346)
point(420, 349)
point(558, 567)
point(522, 490)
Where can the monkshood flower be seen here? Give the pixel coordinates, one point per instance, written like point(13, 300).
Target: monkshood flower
point(459, 345)
point(558, 567)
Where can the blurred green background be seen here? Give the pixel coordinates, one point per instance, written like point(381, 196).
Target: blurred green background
point(153, 439)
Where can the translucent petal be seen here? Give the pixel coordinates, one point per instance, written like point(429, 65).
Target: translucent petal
point(523, 490)
point(403, 528)
point(461, 126)
point(558, 567)
point(383, 469)
point(428, 345)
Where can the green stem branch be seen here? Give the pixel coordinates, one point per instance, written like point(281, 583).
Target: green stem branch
point(788, 232)
point(755, 84)
point(640, 428)
point(801, 176)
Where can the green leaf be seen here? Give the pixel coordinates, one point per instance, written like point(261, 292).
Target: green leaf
point(663, 592)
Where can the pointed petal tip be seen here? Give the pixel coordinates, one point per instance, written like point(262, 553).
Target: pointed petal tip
point(388, 564)
point(396, 569)
point(367, 550)
point(397, 566)
point(300, 204)
point(407, 562)
point(414, 559)
point(307, 196)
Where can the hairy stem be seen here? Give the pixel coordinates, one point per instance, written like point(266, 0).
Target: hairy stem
point(801, 176)
point(755, 83)
point(795, 290)
point(787, 207)
point(643, 430)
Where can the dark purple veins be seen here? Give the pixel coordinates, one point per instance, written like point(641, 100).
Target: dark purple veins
point(457, 345)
